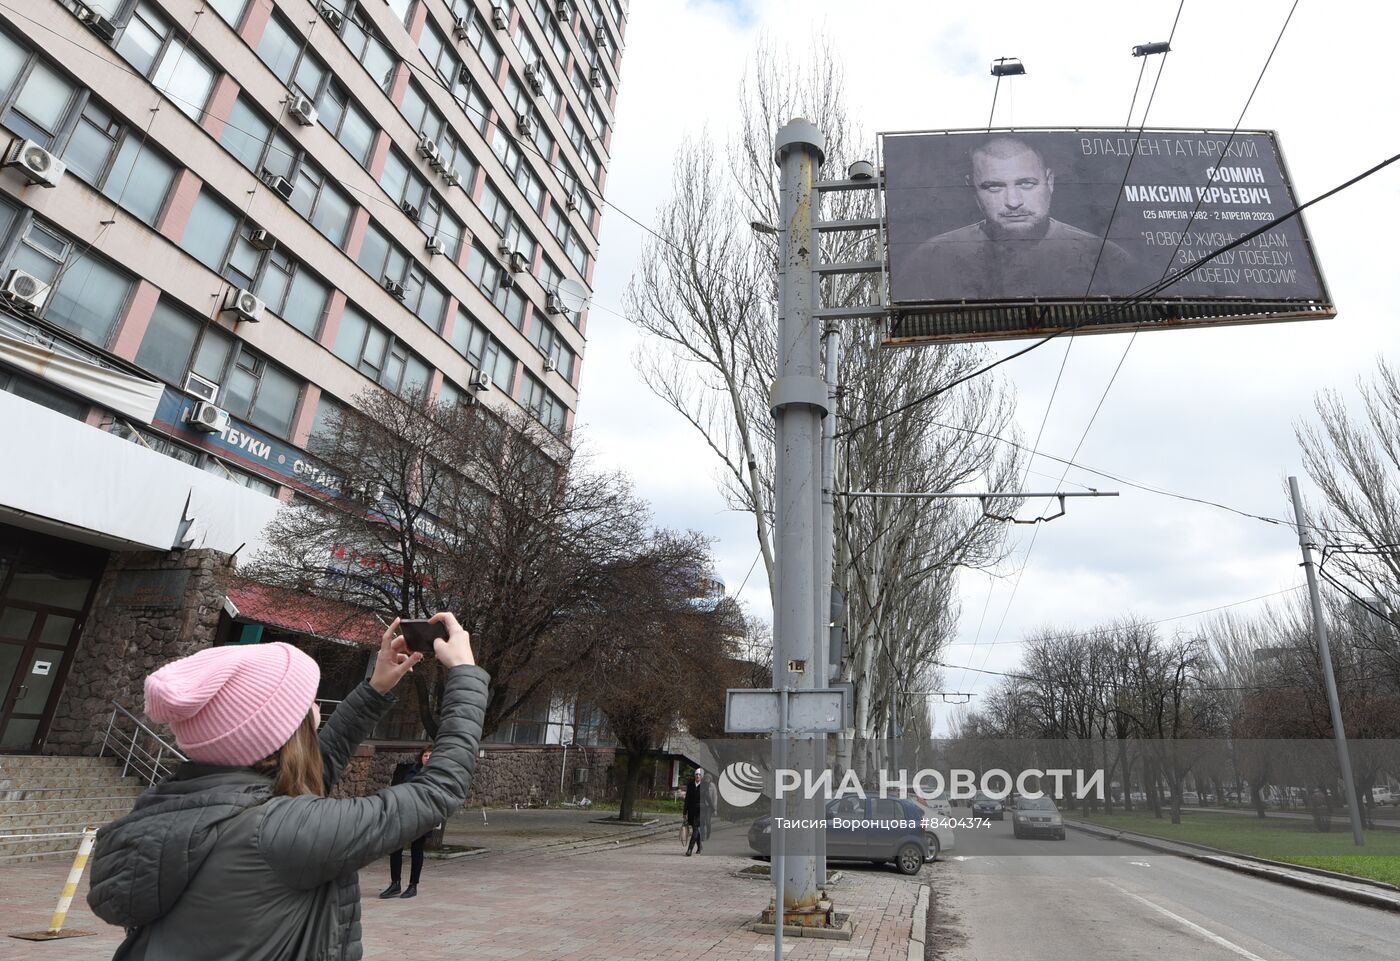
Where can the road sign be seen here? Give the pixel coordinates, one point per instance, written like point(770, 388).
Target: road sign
point(820, 711)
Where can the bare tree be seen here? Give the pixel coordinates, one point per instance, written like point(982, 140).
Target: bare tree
point(456, 508)
point(706, 293)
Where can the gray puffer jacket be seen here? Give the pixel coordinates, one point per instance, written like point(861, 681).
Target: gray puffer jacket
point(211, 867)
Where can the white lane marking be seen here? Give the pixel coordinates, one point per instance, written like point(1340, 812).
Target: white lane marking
point(1141, 864)
point(961, 857)
point(1191, 925)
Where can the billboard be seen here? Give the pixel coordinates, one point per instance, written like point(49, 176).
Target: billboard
point(1018, 233)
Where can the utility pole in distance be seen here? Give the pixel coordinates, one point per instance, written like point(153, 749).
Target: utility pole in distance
point(1305, 541)
point(798, 401)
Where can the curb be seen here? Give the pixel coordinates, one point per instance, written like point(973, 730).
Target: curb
point(1294, 875)
point(918, 932)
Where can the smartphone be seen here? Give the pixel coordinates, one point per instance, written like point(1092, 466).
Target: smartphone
point(419, 635)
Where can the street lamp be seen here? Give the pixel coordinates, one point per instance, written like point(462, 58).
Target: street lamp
point(1003, 67)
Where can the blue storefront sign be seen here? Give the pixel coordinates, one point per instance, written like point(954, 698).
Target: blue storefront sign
point(246, 446)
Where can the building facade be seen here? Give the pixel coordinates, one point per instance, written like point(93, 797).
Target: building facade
point(220, 222)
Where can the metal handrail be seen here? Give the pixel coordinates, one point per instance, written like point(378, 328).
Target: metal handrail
point(136, 758)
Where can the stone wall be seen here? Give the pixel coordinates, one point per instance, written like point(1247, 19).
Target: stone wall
point(504, 775)
point(121, 642)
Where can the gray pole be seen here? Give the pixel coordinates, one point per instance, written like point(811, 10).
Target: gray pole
point(1305, 541)
point(798, 401)
point(826, 535)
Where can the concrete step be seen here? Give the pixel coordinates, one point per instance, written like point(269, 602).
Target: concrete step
point(15, 764)
point(122, 797)
point(43, 823)
point(63, 782)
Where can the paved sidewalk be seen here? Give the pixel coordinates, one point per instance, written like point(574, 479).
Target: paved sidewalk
point(642, 903)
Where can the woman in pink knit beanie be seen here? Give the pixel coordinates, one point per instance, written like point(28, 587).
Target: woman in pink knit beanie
point(241, 855)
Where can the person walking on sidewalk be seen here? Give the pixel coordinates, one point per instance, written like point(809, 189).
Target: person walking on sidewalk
point(694, 811)
point(415, 869)
point(240, 855)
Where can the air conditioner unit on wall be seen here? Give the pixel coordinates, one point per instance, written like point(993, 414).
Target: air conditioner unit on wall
point(25, 289)
point(550, 364)
point(481, 380)
point(205, 417)
point(554, 304)
point(534, 77)
point(281, 186)
point(500, 19)
point(517, 263)
point(302, 109)
point(562, 11)
point(525, 126)
point(409, 209)
point(595, 77)
point(37, 164)
point(95, 22)
point(262, 240)
point(435, 245)
point(246, 305)
point(197, 386)
point(332, 16)
point(428, 148)
point(463, 27)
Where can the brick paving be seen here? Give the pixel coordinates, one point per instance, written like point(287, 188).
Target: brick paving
point(640, 903)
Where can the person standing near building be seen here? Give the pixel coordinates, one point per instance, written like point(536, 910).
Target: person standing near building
point(415, 868)
point(694, 811)
point(241, 856)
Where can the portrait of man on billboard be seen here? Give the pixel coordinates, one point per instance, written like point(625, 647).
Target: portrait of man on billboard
point(1018, 249)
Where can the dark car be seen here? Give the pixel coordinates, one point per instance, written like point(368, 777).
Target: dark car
point(1037, 816)
point(988, 807)
point(878, 830)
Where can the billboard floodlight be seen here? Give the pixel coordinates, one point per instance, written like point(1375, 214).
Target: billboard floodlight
point(1148, 49)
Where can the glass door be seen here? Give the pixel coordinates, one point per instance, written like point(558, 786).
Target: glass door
point(41, 611)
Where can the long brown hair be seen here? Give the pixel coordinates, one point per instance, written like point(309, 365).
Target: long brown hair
point(296, 767)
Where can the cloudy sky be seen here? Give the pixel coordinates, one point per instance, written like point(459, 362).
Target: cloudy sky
point(1207, 413)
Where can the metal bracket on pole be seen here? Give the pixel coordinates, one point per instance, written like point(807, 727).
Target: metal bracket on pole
point(798, 390)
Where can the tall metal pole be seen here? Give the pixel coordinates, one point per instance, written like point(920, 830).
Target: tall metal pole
point(826, 538)
point(1320, 633)
point(798, 401)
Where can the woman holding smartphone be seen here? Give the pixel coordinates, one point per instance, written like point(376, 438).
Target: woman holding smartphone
point(241, 856)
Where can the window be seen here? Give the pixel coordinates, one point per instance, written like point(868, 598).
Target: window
point(259, 392)
point(503, 146)
point(328, 414)
point(150, 45)
point(346, 121)
point(402, 183)
point(251, 388)
point(369, 47)
point(402, 8)
point(386, 260)
point(493, 281)
point(210, 228)
point(246, 133)
point(554, 37)
point(88, 296)
point(230, 10)
point(483, 351)
point(437, 221)
point(36, 99)
point(547, 339)
point(169, 343)
point(478, 34)
point(291, 291)
point(112, 158)
point(548, 409)
point(374, 352)
point(280, 48)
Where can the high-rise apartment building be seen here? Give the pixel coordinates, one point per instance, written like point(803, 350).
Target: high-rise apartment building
point(219, 221)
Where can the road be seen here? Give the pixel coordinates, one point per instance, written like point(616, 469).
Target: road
point(999, 899)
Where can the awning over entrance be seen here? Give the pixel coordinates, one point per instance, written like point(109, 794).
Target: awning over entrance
point(296, 612)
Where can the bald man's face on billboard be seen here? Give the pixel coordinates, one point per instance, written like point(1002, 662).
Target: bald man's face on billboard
point(1013, 188)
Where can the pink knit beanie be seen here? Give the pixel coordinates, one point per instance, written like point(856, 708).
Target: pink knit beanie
point(234, 705)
